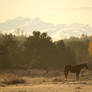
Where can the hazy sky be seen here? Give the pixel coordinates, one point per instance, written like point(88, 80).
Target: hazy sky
point(55, 11)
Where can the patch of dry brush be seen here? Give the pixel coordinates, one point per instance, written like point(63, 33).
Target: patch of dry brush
point(10, 79)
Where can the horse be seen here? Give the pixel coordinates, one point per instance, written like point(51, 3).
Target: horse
point(74, 69)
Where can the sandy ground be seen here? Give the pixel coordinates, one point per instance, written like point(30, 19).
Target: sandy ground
point(76, 86)
point(52, 84)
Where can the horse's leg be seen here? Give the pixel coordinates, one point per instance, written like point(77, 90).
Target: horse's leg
point(77, 76)
point(65, 75)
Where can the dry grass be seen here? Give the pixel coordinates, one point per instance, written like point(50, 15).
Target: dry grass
point(10, 79)
point(36, 77)
point(39, 81)
point(49, 88)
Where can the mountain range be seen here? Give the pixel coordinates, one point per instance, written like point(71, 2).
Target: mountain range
point(59, 31)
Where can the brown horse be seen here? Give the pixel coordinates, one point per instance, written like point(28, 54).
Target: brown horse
point(74, 69)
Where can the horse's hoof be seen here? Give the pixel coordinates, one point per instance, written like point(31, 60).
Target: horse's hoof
point(65, 79)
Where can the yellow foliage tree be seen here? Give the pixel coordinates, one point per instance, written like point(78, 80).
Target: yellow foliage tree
point(90, 49)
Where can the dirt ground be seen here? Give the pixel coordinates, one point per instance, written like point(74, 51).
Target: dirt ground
point(51, 84)
point(69, 86)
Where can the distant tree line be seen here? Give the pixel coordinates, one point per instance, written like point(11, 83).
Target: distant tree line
point(38, 51)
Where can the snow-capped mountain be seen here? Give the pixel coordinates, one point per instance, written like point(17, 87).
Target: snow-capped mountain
point(36, 24)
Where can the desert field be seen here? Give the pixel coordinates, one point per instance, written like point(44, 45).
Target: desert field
point(40, 82)
point(50, 87)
